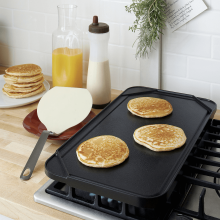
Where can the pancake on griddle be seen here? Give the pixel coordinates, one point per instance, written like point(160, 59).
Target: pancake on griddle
point(24, 70)
point(102, 151)
point(148, 107)
point(160, 137)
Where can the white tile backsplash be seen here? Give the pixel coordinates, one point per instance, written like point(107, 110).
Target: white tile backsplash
point(18, 38)
point(183, 85)
point(115, 77)
point(84, 27)
point(115, 11)
point(215, 91)
point(4, 36)
point(216, 47)
point(187, 43)
point(41, 42)
point(191, 56)
point(207, 22)
point(215, 4)
point(114, 33)
point(48, 58)
point(27, 56)
point(207, 2)
point(87, 8)
point(26, 28)
point(51, 23)
point(6, 55)
point(44, 6)
point(128, 58)
point(31, 21)
point(14, 37)
point(5, 17)
point(129, 78)
point(127, 36)
point(123, 57)
point(204, 69)
point(114, 55)
point(175, 65)
point(21, 4)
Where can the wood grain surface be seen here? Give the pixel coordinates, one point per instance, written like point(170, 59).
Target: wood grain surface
point(16, 145)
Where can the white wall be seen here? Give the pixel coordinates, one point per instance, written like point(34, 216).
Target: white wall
point(190, 60)
point(191, 56)
point(26, 28)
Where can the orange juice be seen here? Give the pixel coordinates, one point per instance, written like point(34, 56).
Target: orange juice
point(67, 67)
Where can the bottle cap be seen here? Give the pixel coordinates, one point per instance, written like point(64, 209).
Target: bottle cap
point(98, 27)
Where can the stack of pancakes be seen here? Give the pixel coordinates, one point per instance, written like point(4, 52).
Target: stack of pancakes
point(23, 81)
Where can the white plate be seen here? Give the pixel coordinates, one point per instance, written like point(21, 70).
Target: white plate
point(6, 102)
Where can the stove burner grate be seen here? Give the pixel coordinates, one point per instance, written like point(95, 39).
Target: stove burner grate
point(202, 154)
point(101, 203)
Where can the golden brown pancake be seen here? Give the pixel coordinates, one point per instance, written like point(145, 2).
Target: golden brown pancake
point(148, 107)
point(24, 70)
point(160, 137)
point(22, 79)
point(23, 85)
point(102, 151)
point(10, 88)
point(18, 95)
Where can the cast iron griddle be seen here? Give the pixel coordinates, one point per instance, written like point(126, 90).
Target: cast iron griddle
point(146, 175)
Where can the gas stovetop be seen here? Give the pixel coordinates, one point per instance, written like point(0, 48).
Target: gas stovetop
point(82, 204)
point(124, 192)
point(212, 204)
point(69, 207)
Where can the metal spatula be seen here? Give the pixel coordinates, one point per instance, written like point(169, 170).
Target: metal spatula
point(59, 109)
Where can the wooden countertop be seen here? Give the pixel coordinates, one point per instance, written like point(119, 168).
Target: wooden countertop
point(16, 145)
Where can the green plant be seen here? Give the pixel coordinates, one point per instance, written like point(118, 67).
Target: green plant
point(150, 21)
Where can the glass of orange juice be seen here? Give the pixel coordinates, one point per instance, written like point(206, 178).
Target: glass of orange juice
point(67, 56)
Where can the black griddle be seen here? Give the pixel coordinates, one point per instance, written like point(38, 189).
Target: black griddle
point(146, 178)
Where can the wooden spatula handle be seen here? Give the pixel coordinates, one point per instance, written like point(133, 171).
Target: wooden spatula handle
point(32, 161)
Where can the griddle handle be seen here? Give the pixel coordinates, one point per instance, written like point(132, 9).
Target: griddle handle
point(32, 161)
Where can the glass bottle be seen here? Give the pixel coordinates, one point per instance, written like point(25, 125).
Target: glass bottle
point(67, 57)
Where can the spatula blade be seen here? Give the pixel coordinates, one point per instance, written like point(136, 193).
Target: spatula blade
point(64, 107)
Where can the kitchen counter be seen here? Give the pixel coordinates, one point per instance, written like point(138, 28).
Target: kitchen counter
point(16, 145)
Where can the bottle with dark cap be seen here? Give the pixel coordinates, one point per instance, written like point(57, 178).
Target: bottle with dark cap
point(99, 81)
